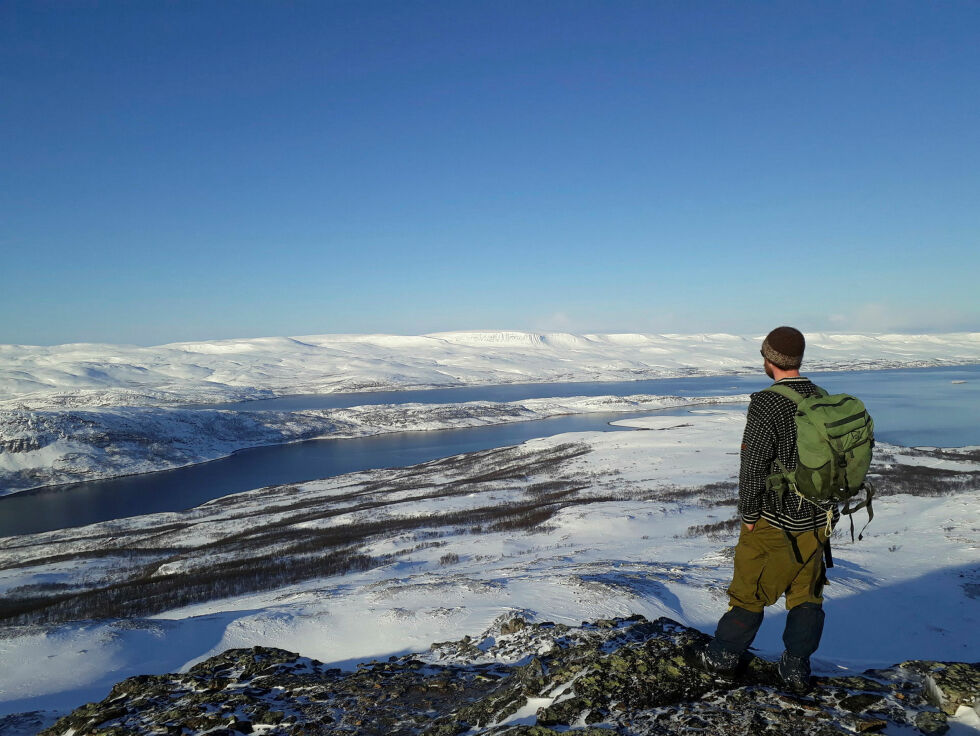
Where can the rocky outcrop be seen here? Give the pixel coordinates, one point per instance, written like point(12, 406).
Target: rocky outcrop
point(620, 676)
point(20, 444)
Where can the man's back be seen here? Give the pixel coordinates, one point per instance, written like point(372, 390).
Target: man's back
point(770, 433)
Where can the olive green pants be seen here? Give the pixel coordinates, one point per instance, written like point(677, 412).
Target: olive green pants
point(766, 568)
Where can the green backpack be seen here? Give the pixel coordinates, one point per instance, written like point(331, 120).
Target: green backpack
point(834, 439)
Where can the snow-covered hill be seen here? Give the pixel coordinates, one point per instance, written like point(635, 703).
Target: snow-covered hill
point(78, 375)
point(569, 528)
point(39, 448)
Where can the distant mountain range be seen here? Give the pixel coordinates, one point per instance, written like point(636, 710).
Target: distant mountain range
point(93, 374)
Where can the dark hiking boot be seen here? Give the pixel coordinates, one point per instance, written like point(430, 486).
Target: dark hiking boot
point(714, 660)
point(795, 673)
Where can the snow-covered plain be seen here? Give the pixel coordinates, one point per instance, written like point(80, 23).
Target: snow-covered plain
point(89, 374)
point(568, 528)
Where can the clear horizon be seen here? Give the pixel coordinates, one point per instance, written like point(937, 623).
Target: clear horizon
point(749, 334)
point(183, 172)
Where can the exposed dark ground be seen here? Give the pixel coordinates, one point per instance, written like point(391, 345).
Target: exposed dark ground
point(621, 676)
point(291, 537)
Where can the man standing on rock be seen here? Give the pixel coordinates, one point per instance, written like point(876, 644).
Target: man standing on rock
point(781, 545)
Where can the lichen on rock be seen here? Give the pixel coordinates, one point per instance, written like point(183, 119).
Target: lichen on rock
point(615, 676)
point(950, 685)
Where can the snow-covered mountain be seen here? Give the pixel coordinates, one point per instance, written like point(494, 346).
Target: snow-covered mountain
point(78, 375)
point(85, 411)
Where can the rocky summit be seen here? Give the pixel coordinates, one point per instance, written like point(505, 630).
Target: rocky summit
point(619, 676)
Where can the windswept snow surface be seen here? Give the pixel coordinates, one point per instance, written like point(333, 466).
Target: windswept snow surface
point(88, 374)
point(567, 528)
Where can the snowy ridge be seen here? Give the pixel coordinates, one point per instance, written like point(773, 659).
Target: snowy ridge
point(82, 374)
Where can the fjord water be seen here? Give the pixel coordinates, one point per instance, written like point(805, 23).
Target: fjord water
point(912, 406)
point(689, 386)
point(916, 407)
point(76, 504)
point(924, 406)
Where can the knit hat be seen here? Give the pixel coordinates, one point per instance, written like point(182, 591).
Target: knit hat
point(783, 347)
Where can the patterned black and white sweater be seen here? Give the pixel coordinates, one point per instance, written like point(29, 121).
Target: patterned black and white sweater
point(770, 432)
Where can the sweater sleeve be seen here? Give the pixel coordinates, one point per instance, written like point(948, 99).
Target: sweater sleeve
point(758, 453)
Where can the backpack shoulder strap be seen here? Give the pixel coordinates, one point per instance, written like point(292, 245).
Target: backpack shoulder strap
point(787, 392)
point(783, 390)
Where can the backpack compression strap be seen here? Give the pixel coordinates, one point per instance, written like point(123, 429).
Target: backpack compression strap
point(869, 491)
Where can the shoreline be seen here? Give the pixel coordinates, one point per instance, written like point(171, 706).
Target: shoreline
point(481, 413)
point(260, 428)
point(44, 401)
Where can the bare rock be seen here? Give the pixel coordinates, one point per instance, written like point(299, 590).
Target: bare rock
point(626, 676)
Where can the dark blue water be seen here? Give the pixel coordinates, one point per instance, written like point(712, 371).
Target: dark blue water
point(172, 490)
point(910, 407)
point(916, 407)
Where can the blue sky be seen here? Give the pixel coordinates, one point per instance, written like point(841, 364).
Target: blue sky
point(200, 170)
